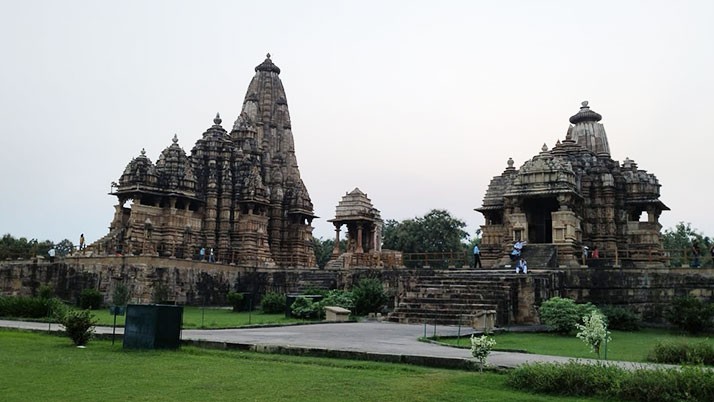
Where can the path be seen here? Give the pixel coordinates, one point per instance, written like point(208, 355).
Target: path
point(371, 340)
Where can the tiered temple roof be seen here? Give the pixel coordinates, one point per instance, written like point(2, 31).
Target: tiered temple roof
point(239, 193)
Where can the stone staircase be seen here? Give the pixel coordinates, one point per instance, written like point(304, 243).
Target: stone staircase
point(540, 255)
point(459, 297)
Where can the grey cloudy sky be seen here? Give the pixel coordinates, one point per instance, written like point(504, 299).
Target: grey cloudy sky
point(417, 103)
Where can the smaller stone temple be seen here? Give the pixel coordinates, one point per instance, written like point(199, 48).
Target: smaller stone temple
point(571, 197)
point(364, 234)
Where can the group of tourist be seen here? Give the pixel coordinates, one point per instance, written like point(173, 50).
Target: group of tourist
point(202, 255)
point(521, 264)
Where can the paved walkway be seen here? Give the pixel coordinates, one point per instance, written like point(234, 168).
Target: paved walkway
point(370, 340)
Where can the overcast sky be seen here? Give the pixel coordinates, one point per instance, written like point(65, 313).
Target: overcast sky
point(417, 103)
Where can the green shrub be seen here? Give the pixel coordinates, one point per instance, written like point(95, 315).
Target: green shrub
point(368, 296)
point(339, 298)
point(621, 319)
point(273, 303)
point(613, 383)
point(91, 299)
point(690, 314)
point(79, 326)
point(682, 353)
point(235, 299)
point(562, 313)
point(305, 308)
point(45, 292)
point(120, 295)
point(24, 307)
point(570, 378)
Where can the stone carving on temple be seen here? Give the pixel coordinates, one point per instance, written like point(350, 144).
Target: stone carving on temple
point(574, 196)
point(237, 193)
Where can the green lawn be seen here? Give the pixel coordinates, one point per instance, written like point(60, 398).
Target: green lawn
point(628, 346)
point(48, 368)
point(209, 317)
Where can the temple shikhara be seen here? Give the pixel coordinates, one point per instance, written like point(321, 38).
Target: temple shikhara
point(238, 195)
point(571, 197)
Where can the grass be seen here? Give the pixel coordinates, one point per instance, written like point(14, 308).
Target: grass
point(208, 317)
point(45, 367)
point(627, 346)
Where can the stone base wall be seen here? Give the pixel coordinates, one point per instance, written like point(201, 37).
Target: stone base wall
point(647, 291)
point(177, 281)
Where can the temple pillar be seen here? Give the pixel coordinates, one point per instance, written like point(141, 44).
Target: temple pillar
point(336, 248)
point(359, 239)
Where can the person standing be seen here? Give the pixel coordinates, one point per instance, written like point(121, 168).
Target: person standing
point(81, 242)
point(202, 253)
point(711, 252)
point(52, 252)
point(595, 253)
point(211, 257)
point(696, 253)
point(477, 257)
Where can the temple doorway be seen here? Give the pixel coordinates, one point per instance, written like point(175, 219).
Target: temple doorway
point(540, 222)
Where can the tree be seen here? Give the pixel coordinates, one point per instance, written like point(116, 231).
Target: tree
point(64, 248)
point(12, 248)
point(435, 232)
point(678, 242)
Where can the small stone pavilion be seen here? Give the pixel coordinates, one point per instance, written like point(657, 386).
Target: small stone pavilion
point(364, 234)
point(238, 194)
point(574, 196)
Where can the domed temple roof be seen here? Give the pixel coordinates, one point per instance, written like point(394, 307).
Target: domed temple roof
point(355, 205)
point(174, 169)
point(140, 172)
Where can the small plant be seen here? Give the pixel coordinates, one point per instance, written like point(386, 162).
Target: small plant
point(690, 314)
point(481, 347)
point(235, 299)
point(161, 293)
point(562, 313)
point(79, 326)
point(594, 331)
point(90, 299)
point(273, 303)
point(120, 295)
point(368, 296)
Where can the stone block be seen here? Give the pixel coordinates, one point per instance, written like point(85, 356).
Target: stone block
point(335, 313)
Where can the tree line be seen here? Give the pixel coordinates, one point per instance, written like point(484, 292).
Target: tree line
point(12, 248)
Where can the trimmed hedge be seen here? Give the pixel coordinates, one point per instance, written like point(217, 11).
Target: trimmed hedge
point(682, 353)
point(611, 382)
point(24, 307)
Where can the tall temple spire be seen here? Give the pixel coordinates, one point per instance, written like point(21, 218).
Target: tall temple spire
point(587, 131)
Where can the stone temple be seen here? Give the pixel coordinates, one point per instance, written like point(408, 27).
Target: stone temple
point(238, 194)
point(574, 196)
